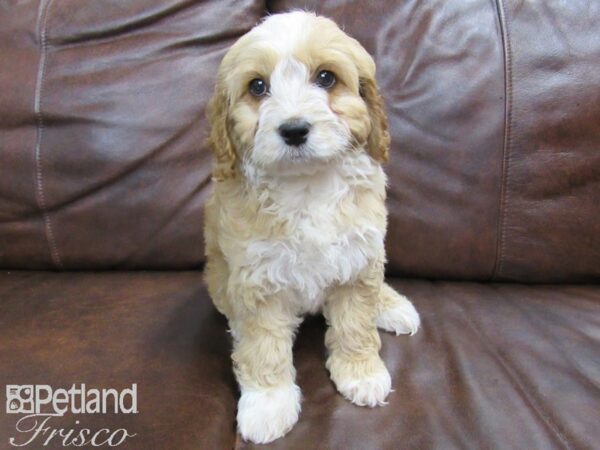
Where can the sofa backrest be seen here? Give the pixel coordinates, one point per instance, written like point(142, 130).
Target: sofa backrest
point(494, 111)
point(102, 157)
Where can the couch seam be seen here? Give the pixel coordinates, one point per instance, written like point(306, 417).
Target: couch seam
point(40, 127)
point(520, 384)
point(506, 147)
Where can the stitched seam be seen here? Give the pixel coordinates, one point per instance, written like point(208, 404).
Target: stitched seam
point(39, 174)
point(506, 154)
point(518, 382)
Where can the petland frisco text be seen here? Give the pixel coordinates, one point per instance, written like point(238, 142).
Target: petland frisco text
point(41, 404)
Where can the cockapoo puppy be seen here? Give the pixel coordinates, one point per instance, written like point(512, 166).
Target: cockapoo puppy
point(297, 218)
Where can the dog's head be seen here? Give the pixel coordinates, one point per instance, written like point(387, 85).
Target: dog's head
point(292, 94)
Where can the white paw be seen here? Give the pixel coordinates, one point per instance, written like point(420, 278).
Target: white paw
point(370, 390)
point(267, 414)
point(400, 318)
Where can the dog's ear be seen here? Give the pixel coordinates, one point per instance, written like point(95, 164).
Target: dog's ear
point(378, 142)
point(219, 140)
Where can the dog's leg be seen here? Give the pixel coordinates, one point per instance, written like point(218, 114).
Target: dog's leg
point(353, 341)
point(396, 313)
point(270, 399)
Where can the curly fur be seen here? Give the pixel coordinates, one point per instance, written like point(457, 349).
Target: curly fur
point(291, 231)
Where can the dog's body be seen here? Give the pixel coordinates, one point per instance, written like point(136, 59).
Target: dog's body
point(297, 219)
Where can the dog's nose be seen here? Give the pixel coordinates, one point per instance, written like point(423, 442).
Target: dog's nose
point(294, 132)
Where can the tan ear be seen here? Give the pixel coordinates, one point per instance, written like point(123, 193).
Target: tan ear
point(378, 142)
point(219, 140)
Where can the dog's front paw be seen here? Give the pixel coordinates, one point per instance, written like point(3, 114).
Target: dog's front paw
point(397, 314)
point(363, 383)
point(267, 414)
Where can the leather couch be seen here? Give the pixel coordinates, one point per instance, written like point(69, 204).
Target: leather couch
point(494, 231)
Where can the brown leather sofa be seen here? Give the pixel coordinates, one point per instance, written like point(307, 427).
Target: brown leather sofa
point(494, 233)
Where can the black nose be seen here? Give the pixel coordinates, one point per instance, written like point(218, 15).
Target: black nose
point(294, 132)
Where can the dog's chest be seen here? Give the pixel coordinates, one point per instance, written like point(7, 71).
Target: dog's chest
point(320, 248)
point(317, 255)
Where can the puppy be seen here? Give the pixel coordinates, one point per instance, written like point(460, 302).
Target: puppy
point(297, 219)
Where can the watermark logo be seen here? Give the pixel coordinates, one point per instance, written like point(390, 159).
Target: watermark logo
point(19, 399)
point(36, 406)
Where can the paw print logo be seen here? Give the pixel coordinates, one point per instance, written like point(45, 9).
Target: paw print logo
point(19, 399)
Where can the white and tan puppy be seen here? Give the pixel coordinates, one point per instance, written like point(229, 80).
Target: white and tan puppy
point(297, 219)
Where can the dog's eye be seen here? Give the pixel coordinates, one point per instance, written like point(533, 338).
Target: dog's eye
point(325, 79)
point(258, 87)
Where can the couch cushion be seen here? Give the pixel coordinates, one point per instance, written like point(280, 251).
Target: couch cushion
point(102, 162)
point(493, 106)
point(494, 366)
point(494, 110)
point(109, 330)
